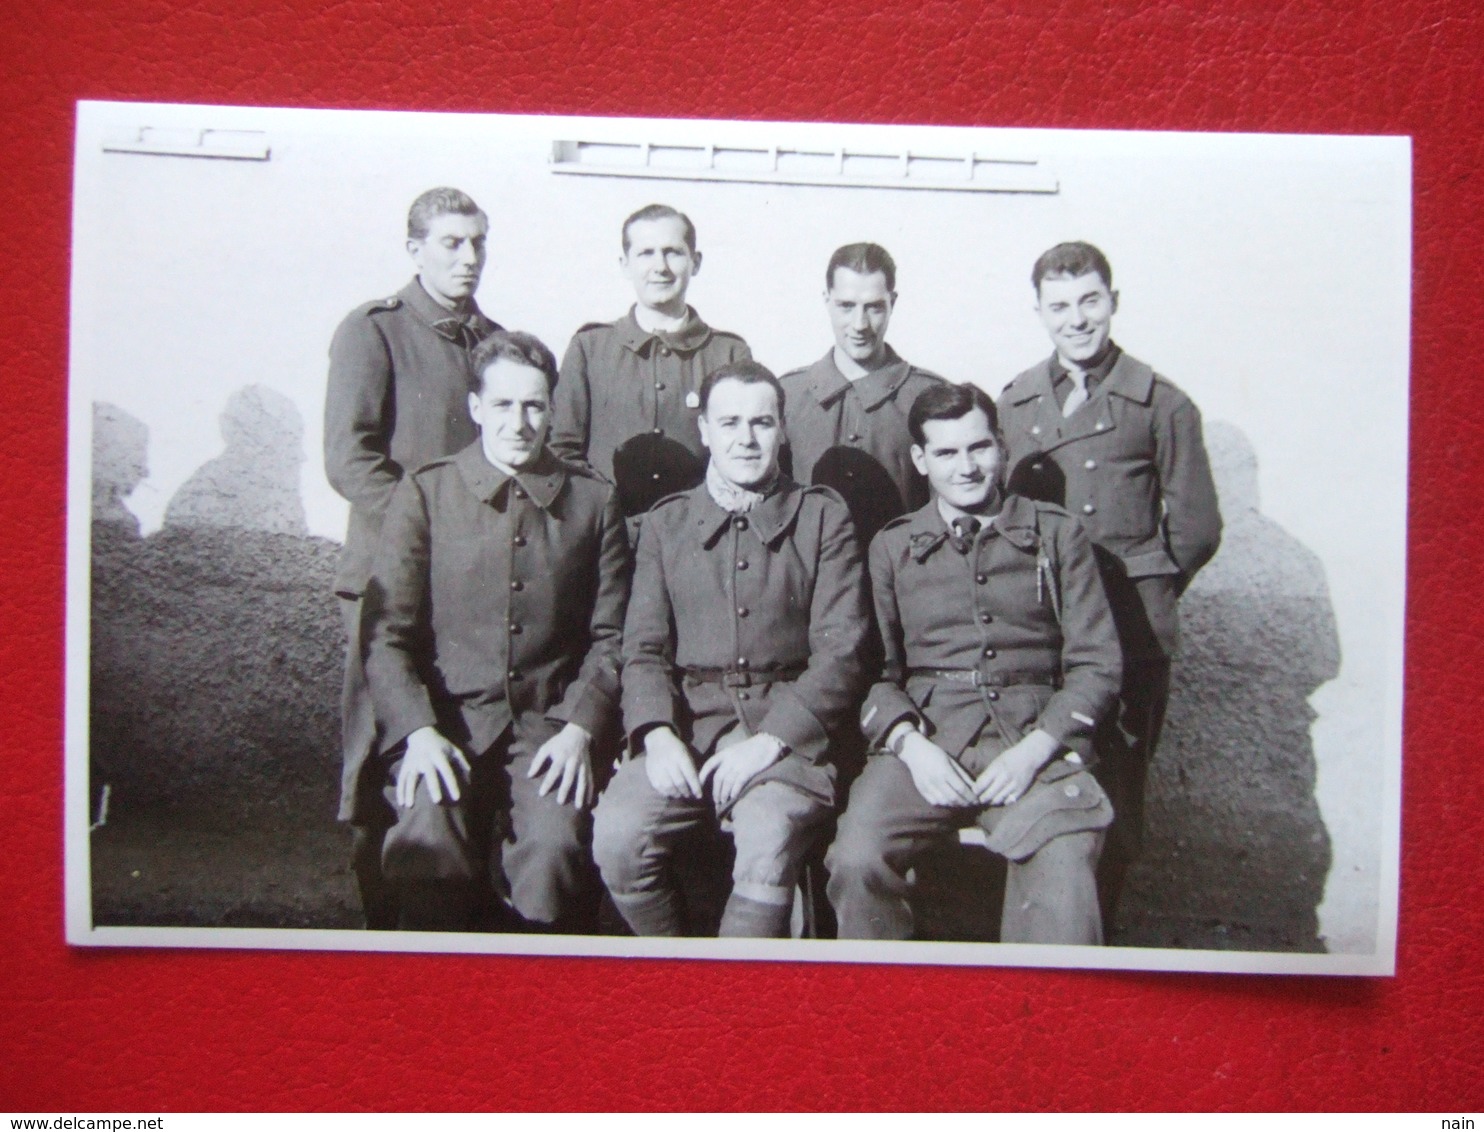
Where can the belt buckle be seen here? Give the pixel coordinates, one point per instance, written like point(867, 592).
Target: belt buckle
point(736, 679)
point(978, 681)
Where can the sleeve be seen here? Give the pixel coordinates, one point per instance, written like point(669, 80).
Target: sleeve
point(592, 698)
point(887, 703)
point(1192, 515)
point(1091, 658)
point(358, 406)
point(396, 613)
point(803, 714)
point(649, 695)
point(572, 410)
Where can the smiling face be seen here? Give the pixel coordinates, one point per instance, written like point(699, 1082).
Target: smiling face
point(1078, 314)
point(743, 428)
point(659, 263)
point(450, 258)
point(860, 311)
point(513, 412)
point(961, 460)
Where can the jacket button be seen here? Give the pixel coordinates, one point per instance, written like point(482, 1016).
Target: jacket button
point(986, 617)
point(517, 585)
point(660, 385)
point(741, 611)
point(1088, 508)
point(741, 564)
point(1090, 465)
point(658, 431)
point(741, 662)
point(981, 578)
point(1102, 425)
point(515, 674)
point(514, 629)
point(519, 540)
point(741, 521)
point(989, 653)
point(1035, 430)
point(664, 351)
point(655, 476)
point(854, 438)
point(992, 694)
point(518, 492)
point(744, 695)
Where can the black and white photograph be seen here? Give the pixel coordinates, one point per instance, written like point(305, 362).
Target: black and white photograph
point(736, 540)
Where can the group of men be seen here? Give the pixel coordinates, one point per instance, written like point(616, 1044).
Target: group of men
point(593, 606)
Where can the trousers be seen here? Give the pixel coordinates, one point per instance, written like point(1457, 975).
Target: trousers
point(635, 830)
point(502, 842)
point(1050, 896)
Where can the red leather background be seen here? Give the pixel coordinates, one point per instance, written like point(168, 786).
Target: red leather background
point(109, 1030)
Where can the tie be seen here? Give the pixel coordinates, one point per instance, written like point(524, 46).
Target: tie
point(964, 530)
point(1079, 394)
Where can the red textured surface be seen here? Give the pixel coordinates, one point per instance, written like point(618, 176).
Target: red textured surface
point(171, 1030)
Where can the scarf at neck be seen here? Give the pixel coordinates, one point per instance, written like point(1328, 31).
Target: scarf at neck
point(730, 497)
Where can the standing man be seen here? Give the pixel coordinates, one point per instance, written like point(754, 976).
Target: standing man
point(629, 394)
point(1000, 658)
point(396, 399)
point(847, 425)
point(742, 660)
point(1120, 447)
point(493, 617)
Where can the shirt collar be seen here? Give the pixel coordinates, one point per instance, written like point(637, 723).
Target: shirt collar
point(444, 321)
point(1097, 373)
point(542, 481)
point(771, 518)
point(692, 335)
point(827, 383)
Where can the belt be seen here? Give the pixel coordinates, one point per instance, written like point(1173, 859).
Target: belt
point(981, 679)
point(742, 678)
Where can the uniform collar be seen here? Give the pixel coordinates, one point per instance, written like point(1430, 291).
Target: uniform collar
point(542, 481)
point(442, 320)
point(828, 384)
point(927, 530)
point(771, 518)
point(1128, 377)
point(1098, 373)
point(692, 335)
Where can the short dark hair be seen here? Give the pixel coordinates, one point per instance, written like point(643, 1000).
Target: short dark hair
point(863, 259)
point(512, 345)
point(748, 373)
point(435, 203)
point(660, 212)
point(1071, 259)
point(949, 402)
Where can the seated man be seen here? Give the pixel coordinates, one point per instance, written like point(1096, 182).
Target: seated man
point(494, 615)
point(1001, 657)
point(742, 656)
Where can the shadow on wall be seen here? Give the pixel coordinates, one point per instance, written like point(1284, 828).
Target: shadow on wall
point(1237, 853)
point(215, 642)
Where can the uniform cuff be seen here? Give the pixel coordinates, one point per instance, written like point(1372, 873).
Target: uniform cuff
point(585, 706)
point(789, 721)
point(885, 707)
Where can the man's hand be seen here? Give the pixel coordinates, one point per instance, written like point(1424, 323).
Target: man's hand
point(568, 759)
point(1008, 778)
point(935, 772)
point(432, 758)
point(736, 766)
point(669, 765)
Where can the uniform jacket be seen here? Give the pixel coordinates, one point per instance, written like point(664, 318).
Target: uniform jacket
point(780, 587)
point(628, 401)
point(1022, 607)
point(496, 600)
point(852, 436)
point(397, 398)
point(1131, 465)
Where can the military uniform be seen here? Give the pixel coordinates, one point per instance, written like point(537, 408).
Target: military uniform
point(494, 614)
point(1131, 464)
point(852, 436)
point(987, 639)
point(739, 624)
point(628, 401)
point(397, 398)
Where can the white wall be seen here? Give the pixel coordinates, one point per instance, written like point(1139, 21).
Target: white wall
point(1268, 276)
